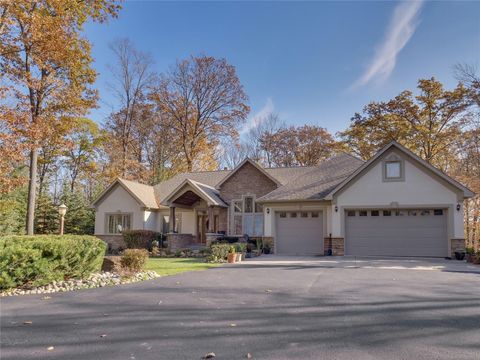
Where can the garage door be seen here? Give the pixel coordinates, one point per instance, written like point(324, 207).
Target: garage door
point(299, 233)
point(415, 232)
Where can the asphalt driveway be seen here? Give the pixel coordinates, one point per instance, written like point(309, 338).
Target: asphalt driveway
point(273, 308)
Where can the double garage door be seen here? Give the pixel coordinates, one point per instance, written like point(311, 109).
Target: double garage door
point(415, 232)
point(299, 233)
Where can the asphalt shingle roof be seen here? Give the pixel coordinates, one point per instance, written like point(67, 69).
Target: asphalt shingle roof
point(144, 193)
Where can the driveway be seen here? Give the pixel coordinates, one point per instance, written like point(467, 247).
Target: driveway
point(273, 308)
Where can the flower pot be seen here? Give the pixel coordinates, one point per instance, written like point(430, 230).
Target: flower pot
point(238, 258)
point(469, 258)
point(243, 256)
point(231, 258)
point(476, 259)
point(459, 255)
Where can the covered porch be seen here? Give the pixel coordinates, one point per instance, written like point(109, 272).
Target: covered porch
point(197, 215)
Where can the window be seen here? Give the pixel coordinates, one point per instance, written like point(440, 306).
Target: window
point(362, 213)
point(238, 206)
point(425, 212)
point(237, 224)
point(283, 214)
point(387, 213)
point(304, 214)
point(351, 213)
point(293, 215)
point(258, 208)
point(118, 222)
point(412, 213)
point(248, 205)
point(258, 229)
point(375, 213)
point(400, 213)
point(314, 214)
point(393, 169)
point(438, 212)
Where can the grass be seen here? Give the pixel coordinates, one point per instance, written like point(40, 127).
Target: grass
point(170, 266)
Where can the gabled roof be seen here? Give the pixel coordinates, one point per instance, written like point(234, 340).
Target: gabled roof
point(239, 166)
point(206, 192)
point(144, 194)
point(316, 183)
point(467, 193)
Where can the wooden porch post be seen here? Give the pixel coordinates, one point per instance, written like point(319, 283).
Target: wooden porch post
point(172, 219)
point(211, 225)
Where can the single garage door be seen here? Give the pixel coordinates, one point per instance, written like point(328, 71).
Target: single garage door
point(299, 233)
point(416, 232)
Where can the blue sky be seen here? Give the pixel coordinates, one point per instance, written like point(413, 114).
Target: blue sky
point(310, 62)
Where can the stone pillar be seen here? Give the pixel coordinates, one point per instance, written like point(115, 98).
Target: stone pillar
point(335, 245)
point(211, 221)
point(172, 219)
point(456, 245)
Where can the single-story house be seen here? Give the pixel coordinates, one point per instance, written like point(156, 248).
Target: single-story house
point(394, 204)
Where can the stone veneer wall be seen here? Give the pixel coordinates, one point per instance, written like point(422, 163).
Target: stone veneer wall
point(337, 245)
point(114, 241)
point(246, 180)
point(178, 241)
point(456, 245)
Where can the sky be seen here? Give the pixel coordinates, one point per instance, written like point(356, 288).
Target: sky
point(313, 62)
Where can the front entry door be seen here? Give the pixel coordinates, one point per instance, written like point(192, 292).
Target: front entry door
point(202, 228)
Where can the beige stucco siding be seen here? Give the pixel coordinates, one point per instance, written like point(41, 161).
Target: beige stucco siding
point(419, 189)
point(118, 200)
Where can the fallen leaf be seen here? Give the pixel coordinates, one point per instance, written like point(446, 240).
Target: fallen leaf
point(178, 283)
point(209, 355)
point(268, 290)
point(28, 322)
point(160, 302)
point(103, 335)
point(46, 298)
point(249, 356)
point(106, 314)
point(50, 348)
point(233, 325)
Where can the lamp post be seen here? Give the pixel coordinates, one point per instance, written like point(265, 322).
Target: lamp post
point(62, 210)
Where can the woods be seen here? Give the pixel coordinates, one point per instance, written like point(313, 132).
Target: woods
point(186, 118)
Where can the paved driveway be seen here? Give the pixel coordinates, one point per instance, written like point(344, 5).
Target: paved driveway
point(273, 308)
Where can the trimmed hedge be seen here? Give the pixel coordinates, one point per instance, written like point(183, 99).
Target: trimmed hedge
point(140, 239)
point(39, 260)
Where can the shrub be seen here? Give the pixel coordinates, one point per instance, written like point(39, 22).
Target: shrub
point(134, 260)
point(39, 260)
point(240, 247)
point(470, 250)
point(219, 252)
point(140, 239)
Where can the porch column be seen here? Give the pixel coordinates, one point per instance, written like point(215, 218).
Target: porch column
point(172, 219)
point(211, 225)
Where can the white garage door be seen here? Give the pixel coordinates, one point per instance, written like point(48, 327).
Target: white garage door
point(416, 232)
point(299, 233)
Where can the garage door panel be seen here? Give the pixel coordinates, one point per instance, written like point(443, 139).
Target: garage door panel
point(299, 235)
point(408, 235)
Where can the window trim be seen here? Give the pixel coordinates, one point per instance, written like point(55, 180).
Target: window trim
point(244, 214)
point(389, 160)
point(108, 214)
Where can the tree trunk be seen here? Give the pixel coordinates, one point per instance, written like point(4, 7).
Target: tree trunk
point(32, 187)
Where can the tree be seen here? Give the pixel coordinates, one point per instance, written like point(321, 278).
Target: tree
point(202, 99)
point(306, 145)
point(133, 76)
point(426, 123)
point(47, 65)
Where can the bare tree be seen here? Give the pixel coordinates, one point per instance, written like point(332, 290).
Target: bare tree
point(133, 75)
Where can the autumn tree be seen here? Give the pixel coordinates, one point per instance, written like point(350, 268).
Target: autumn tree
point(426, 123)
point(133, 75)
point(202, 99)
point(305, 145)
point(47, 64)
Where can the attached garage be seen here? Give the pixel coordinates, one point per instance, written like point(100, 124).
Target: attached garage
point(299, 233)
point(383, 232)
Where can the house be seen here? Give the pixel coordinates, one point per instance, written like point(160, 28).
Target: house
point(395, 204)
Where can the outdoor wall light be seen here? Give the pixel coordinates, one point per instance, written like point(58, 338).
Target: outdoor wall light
point(458, 207)
point(268, 210)
point(62, 210)
point(336, 208)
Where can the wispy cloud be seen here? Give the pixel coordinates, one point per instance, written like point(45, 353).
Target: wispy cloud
point(401, 28)
point(255, 120)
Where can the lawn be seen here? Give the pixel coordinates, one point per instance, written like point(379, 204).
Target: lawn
point(170, 266)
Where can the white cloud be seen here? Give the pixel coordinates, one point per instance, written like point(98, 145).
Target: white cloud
point(401, 28)
point(255, 120)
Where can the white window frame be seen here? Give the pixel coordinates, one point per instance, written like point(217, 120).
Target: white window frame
point(390, 160)
point(244, 214)
point(122, 214)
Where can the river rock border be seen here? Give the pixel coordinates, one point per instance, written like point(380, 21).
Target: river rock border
point(93, 281)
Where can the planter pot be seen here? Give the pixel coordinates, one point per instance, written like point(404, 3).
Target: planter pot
point(469, 258)
point(231, 258)
point(238, 257)
point(476, 259)
point(243, 256)
point(266, 251)
point(459, 255)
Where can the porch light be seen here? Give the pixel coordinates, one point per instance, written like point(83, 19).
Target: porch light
point(458, 207)
point(62, 210)
point(268, 210)
point(336, 208)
